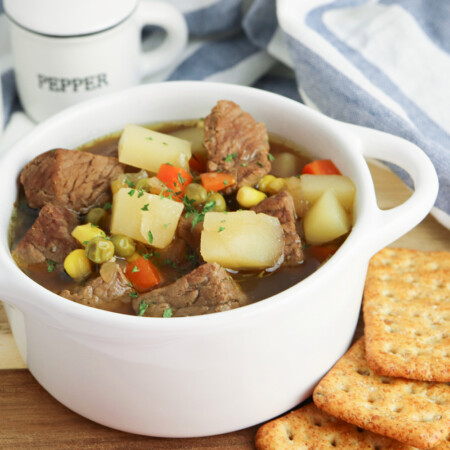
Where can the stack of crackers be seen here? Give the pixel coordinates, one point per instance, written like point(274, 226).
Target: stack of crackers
point(391, 390)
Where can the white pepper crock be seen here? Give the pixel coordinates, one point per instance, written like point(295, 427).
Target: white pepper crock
point(197, 376)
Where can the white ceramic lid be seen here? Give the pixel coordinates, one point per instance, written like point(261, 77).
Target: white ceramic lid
point(68, 17)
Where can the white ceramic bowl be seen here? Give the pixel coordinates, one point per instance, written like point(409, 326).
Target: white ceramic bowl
point(197, 376)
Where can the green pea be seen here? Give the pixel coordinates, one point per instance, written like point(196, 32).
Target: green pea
point(220, 205)
point(196, 192)
point(99, 250)
point(123, 245)
point(143, 184)
point(97, 216)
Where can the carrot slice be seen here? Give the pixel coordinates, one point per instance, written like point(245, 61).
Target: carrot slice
point(321, 167)
point(216, 181)
point(143, 274)
point(323, 252)
point(175, 178)
point(197, 163)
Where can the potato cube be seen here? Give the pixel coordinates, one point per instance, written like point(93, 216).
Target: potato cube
point(242, 240)
point(147, 218)
point(195, 136)
point(313, 186)
point(294, 187)
point(148, 149)
point(326, 220)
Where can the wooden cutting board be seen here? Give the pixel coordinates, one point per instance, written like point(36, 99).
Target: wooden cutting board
point(31, 418)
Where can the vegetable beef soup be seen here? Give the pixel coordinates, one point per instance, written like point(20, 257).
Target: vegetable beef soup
point(179, 219)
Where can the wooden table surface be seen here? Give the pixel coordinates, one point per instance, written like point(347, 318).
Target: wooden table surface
point(31, 418)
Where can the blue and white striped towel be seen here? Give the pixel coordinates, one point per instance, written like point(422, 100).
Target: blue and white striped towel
point(384, 64)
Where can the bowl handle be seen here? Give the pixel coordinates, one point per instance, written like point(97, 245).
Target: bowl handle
point(389, 225)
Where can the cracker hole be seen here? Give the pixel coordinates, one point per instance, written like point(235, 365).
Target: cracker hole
point(418, 333)
point(333, 443)
point(363, 372)
point(290, 436)
point(360, 430)
point(344, 388)
point(386, 380)
point(372, 399)
point(397, 409)
point(317, 423)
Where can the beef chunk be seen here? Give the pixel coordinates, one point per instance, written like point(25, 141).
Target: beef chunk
point(74, 179)
point(187, 234)
point(282, 206)
point(236, 144)
point(207, 289)
point(106, 291)
point(49, 238)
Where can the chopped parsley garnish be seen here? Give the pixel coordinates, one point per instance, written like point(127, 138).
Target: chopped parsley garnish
point(180, 179)
point(221, 229)
point(129, 284)
point(168, 312)
point(305, 246)
point(141, 193)
point(135, 269)
point(166, 225)
point(260, 164)
point(225, 182)
point(169, 262)
point(244, 164)
point(143, 307)
point(230, 157)
point(133, 294)
point(150, 237)
point(107, 206)
point(93, 225)
point(198, 216)
point(193, 258)
point(149, 138)
point(271, 157)
point(131, 193)
point(147, 256)
point(145, 207)
point(50, 265)
point(129, 183)
point(165, 143)
point(52, 152)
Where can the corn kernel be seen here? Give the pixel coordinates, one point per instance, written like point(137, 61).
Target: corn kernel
point(265, 181)
point(133, 257)
point(77, 265)
point(117, 184)
point(248, 196)
point(275, 186)
point(84, 233)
